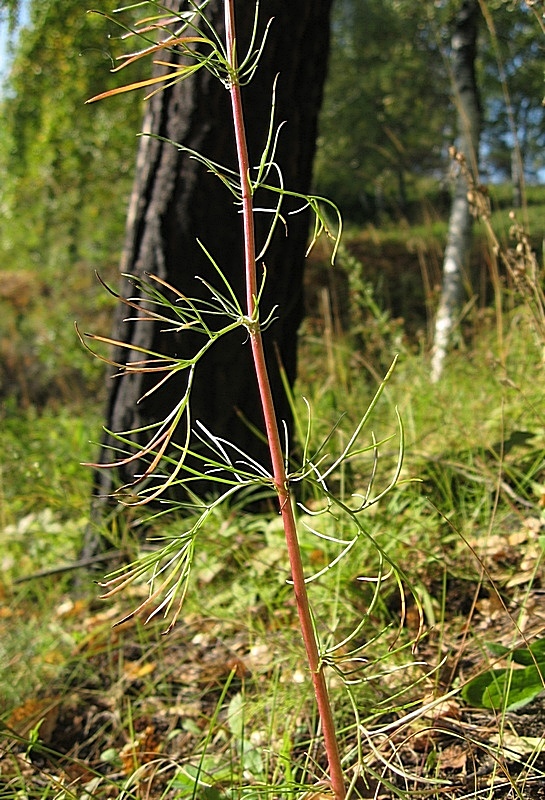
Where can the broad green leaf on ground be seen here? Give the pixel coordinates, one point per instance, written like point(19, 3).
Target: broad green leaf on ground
point(506, 689)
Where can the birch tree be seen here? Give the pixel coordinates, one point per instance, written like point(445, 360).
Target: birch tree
point(466, 98)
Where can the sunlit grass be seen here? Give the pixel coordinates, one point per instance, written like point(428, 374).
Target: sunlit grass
point(473, 476)
point(40, 462)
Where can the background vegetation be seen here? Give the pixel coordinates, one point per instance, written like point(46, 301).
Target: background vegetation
point(126, 707)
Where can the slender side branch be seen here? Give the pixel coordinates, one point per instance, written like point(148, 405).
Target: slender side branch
point(275, 447)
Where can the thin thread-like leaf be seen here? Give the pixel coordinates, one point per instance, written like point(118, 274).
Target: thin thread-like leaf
point(180, 73)
point(130, 58)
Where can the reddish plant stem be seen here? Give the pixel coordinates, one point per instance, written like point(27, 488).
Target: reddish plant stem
point(271, 425)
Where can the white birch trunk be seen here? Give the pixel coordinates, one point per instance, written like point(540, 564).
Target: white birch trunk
point(466, 96)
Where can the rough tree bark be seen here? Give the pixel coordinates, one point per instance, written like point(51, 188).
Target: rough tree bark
point(175, 201)
point(466, 97)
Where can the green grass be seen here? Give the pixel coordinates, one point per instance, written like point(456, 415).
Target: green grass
point(40, 464)
point(463, 528)
point(44, 504)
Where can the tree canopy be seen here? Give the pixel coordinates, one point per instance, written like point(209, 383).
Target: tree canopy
point(386, 123)
point(383, 118)
point(511, 76)
point(388, 116)
point(67, 166)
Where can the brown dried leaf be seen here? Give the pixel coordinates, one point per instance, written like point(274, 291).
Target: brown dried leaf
point(453, 757)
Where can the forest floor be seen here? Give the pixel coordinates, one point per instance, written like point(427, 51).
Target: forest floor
point(221, 707)
point(87, 744)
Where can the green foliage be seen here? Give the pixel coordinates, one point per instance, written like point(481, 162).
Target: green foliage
point(67, 172)
point(509, 689)
point(241, 595)
point(383, 120)
point(477, 440)
point(67, 169)
point(40, 469)
point(389, 115)
point(9, 9)
point(43, 512)
point(511, 75)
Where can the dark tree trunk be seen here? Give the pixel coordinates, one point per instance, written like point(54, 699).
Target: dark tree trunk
point(466, 97)
point(175, 201)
